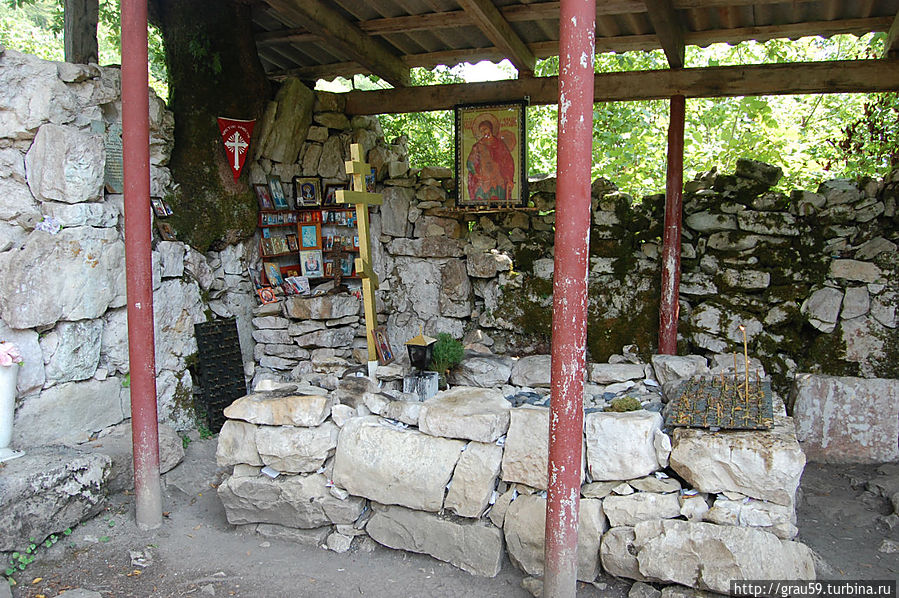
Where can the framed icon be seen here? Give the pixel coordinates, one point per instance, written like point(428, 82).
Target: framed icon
point(277, 192)
point(491, 155)
point(330, 197)
point(310, 236)
point(382, 345)
point(264, 197)
point(311, 263)
point(307, 191)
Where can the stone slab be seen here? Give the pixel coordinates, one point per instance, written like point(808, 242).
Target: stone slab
point(845, 419)
point(473, 546)
point(271, 410)
point(394, 466)
point(466, 412)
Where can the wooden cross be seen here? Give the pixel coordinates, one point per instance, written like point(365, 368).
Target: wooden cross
point(358, 196)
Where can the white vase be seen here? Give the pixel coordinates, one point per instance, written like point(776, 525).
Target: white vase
point(8, 376)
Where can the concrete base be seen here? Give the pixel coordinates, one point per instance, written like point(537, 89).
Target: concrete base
point(424, 385)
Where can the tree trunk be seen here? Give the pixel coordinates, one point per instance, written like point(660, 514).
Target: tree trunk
point(80, 24)
point(213, 71)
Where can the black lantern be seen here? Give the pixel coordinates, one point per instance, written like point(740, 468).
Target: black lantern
point(421, 350)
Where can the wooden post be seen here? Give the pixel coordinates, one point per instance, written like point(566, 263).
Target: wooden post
point(362, 199)
point(80, 19)
point(674, 186)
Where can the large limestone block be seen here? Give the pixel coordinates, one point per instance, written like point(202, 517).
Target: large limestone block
point(486, 371)
point(708, 556)
point(394, 466)
point(31, 374)
point(237, 445)
point(72, 350)
point(269, 409)
point(177, 307)
point(473, 546)
point(675, 367)
point(116, 443)
point(526, 451)
point(532, 371)
point(620, 446)
point(610, 373)
point(296, 501)
point(395, 211)
point(296, 450)
point(31, 93)
point(324, 307)
point(524, 528)
point(285, 123)
point(70, 413)
point(17, 205)
point(93, 257)
point(65, 164)
point(47, 490)
point(777, 519)
point(761, 464)
point(474, 479)
point(617, 553)
point(471, 413)
point(640, 506)
point(846, 420)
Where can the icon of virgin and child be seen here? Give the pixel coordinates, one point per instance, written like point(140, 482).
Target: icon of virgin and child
point(490, 166)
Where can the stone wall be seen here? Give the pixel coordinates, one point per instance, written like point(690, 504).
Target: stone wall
point(62, 259)
point(463, 477)
point(813, 276)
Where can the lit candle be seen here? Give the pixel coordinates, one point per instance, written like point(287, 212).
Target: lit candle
point(746, 358)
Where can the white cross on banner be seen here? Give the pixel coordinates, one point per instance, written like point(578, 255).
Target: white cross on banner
point(236, 136)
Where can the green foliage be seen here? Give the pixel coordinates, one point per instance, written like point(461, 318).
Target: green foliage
point(430, 134)
point(19, 560)
point(36, 27)
point(447, 353)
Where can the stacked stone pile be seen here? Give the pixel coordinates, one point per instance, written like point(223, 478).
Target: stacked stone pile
point(462, 477)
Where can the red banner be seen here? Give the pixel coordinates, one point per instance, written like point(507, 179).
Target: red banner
point(236, 136)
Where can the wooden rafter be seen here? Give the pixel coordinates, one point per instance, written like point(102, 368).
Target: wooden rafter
point(347, 37)
point(891, 45)
point(849, 76)
point(606, 44)
point(489, 20)
point(669, 30)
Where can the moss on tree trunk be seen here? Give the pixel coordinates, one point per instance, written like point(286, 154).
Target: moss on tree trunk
point(214, 70)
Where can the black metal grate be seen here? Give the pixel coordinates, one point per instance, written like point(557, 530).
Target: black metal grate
point(219, 368)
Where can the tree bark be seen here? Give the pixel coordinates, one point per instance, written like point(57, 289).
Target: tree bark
point(80, 31)
point(214, 70)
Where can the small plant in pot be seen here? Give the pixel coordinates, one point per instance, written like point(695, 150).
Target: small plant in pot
point(447, 355)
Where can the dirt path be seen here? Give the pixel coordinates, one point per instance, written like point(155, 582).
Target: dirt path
point(197, 553)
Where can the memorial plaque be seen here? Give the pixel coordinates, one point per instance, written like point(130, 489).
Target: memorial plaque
point(723, 403)
point(113, 175)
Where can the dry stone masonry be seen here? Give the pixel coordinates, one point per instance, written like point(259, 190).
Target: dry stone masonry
point(465, 481)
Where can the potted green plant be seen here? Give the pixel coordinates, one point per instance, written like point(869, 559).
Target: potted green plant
point(447, 354)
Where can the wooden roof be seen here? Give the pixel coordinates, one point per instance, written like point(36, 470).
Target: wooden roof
point(322, 39)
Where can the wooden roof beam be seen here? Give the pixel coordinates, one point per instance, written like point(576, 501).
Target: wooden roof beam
point(847, 76)
point(669, 30)
point(489, 20)
point(347, 37)
point(891, 45)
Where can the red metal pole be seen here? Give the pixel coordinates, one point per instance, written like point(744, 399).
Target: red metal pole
point(138, 263)
point(674, 185)
point(569, 336)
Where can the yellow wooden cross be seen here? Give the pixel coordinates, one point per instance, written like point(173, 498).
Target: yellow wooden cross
point(358, 196)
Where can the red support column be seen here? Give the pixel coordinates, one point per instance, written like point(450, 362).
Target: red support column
point(138, 263)
point(569, 336)
point(674, 186)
